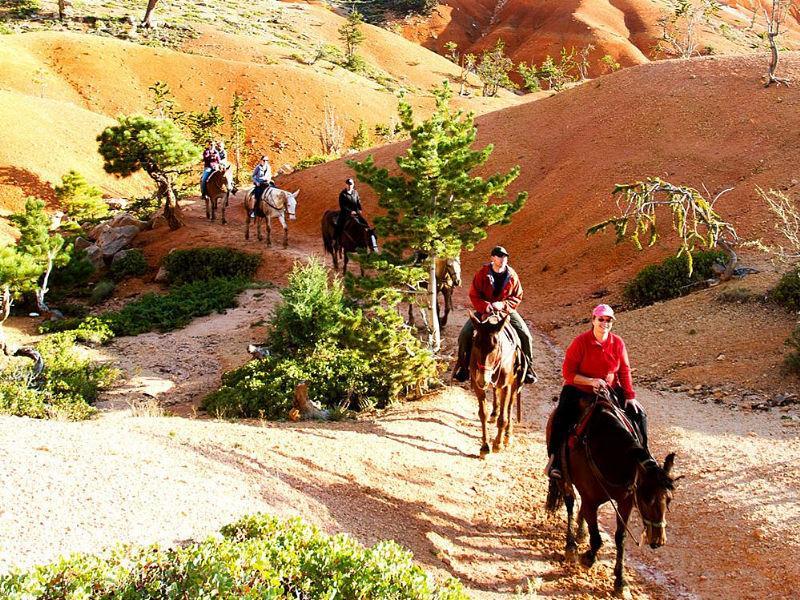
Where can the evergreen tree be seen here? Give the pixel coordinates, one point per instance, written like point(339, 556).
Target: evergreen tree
point(18, 273)
point(434, 206)
point(238, 134)
point(155, 146)
point(35, 240)
point(80, 200)
point(361, 139)
point(205, 126)
point(352, 36)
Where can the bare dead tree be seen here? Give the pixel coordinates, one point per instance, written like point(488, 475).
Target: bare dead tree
point(332, 134)
point(788, 222)
point(775, 18)
point(679, 29)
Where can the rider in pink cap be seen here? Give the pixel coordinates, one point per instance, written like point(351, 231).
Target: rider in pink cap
point(595, 359)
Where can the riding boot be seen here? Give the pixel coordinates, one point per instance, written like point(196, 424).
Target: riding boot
point(461, 372)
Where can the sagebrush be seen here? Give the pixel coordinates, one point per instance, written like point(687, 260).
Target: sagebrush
point(197, 264)
point(670, 278)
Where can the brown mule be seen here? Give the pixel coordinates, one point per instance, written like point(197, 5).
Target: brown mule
point(355, 236)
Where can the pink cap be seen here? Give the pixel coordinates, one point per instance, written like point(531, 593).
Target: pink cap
point(603, 310)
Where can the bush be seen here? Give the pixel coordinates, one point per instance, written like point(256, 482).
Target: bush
point(132, 264)
point(670, 278)
point(791, 362)
point(23, 9)
point(102, 291)
point(257, 557)
point(66, 389)
point(81, 201)
point(184, 266)
point(75, 273)
point(144, 208)
point(312, 161)
point(787, 292)
point(346, 358)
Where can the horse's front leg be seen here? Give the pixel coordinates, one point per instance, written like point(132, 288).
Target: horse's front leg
point(589, 514)
point(285, 226)
point(208, 207)
point(224, 206)
point(481, 394)
point(511, 400)
point(493, 416)
point(502, 419)
point(268, 220)
point(246, 220)
point(620, 585)
point(448, 305)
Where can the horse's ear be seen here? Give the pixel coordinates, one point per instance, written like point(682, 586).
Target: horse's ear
point(669, 462)
point(296, 194)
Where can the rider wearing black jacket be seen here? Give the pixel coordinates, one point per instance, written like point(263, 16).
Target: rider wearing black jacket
point(349, 207)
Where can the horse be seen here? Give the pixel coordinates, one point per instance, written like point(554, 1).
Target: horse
point(496, 361)
point(448, 277)
point(606, 463)
point(216, 188)
point(275, 202)
point(355, 235)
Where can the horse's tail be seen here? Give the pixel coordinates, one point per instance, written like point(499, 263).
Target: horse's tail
point(555, 495)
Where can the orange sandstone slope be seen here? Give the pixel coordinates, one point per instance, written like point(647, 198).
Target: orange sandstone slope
point(628, 30)
point(702, 122)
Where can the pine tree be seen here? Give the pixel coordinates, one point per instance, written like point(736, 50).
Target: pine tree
point(155, 146)
point(238, 134)
point(18, 273)
point(80, 200)
point(352, 36)
point(434, 206)
point(36, 241)
point(494, 68)
point(361, 138)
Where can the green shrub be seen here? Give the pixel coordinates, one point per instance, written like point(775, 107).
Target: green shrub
point(197, 264)
point(132, 264)
point(670, 278)
point(81, 201)
point(787, 292)
point(75, 273)
point(346, 358)
point(791, 361)
point(312, 161)
point(144, 208)
point(67, 387)
point(23, 9)
point(257, 557)
point(102, 291)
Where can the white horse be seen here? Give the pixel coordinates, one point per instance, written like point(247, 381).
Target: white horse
point(274, 203)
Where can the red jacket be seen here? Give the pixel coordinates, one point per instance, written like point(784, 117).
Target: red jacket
point(609, 360)
point(482, 291)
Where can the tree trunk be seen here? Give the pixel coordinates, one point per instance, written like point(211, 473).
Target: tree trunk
point(731, 263)
point(435, 341)
point(171, 211)
point(43, 289)
point(5, 310)
point(151, 4)
point(64, 9)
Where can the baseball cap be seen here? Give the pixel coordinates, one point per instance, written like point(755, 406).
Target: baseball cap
point(603, 310)
point(499, 251)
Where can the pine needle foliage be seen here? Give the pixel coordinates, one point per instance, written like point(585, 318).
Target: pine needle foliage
point(79, 199)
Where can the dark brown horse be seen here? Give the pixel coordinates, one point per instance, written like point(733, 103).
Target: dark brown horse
point(448, 277)
point(216, 189)
point(355, 236)
point(496, 361)
point(606, 463)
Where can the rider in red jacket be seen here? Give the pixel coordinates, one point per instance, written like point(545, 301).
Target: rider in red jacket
point(495, 289)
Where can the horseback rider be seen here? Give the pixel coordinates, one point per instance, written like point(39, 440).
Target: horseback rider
point(496, 289)
point(210, 164)
point(595, 360)
point(262, 178)
point(349, 208)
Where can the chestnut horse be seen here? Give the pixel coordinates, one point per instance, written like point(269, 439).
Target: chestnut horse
point(606, 463)
point(275, 203)
point(355, 235)
point(216, 189)
point(496, 361)
point(448, 277)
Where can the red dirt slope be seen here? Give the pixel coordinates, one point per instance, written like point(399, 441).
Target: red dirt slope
point(628, 30)
point(704, 122)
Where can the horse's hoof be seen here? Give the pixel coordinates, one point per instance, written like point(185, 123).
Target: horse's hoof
point(621, 590)
point(496, 447)
point(492, 418)
point(508, 442)
point(224, 222)
point(587, 559)
point(571, 555)
point(484, 450)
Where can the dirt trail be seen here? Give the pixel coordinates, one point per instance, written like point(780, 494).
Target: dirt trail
point(411, 474)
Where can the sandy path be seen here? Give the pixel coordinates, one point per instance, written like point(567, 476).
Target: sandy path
point(412, 475)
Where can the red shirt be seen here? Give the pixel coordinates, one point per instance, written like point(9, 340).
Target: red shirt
point(590, 358)
point(481, 294)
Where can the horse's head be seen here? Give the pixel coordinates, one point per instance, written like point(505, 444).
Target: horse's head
point(486, 351)
point(454, 270)
point(291, 204)
point(653, 497)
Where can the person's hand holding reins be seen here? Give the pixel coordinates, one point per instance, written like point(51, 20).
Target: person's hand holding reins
point(498, 306)
point(598, 384)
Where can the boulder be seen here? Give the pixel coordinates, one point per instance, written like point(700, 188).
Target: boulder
point(158, 221)
point(115, 239)
point(82, 243)
point(161, 276)
point(119, 256)
point(98, 230)
point(95, 256)
point(125, 219)
point(117, 203)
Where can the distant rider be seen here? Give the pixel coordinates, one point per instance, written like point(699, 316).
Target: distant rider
point(210, 163)
point(262, 178)
point(225, 165)
point(349, 207)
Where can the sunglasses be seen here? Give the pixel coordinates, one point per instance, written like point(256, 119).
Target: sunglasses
point(605, 319)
